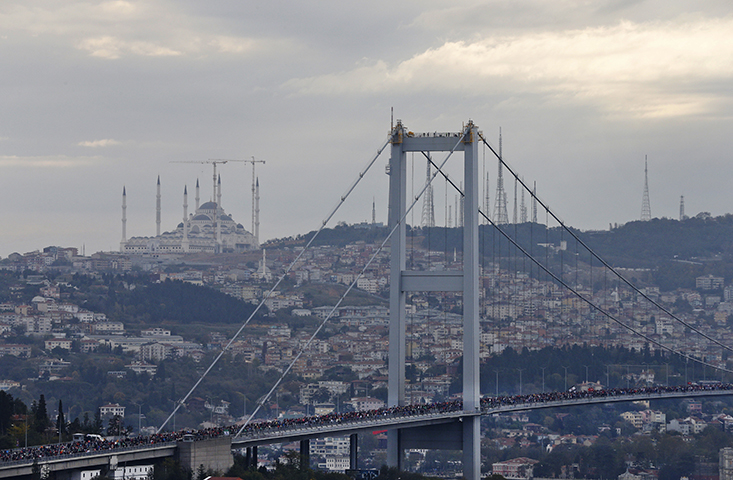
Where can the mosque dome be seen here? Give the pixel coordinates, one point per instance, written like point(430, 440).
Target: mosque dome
point(210, 229)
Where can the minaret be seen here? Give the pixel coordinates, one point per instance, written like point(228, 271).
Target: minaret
point(646, 210)
point(257, 213)
point(213, 188)
point(218, 193)
point(428, 206)
point(374, 211)
point(124, 220)
point(217, 199)
point(534, 202)
point(682, 207)
point(500, 214)
point(198, 199)
point(157, 210)
point(263, 272)
point(184, 244)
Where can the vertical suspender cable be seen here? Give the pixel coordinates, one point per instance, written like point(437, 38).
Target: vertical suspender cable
point(282, 277)
point(350, 287)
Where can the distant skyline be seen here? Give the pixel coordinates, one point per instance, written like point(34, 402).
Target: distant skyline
point(98, 95)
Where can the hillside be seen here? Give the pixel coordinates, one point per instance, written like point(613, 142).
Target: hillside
point(675, 251)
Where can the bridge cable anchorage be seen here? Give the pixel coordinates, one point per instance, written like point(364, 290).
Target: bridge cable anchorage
point(343, 296)
point(592, 252)
point(282, 277)
point(577, 294)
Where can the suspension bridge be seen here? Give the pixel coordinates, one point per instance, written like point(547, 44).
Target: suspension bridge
point(449, 425)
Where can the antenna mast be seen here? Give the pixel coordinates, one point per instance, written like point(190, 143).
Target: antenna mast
point(500, 214)
point(428, 206)
point(646, 210)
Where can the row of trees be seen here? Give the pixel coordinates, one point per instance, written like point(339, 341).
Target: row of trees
point(21, 426)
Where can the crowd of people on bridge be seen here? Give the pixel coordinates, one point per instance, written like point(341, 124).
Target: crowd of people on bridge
point(258, 429)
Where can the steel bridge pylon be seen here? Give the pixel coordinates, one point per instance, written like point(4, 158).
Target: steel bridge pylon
point(466, 434)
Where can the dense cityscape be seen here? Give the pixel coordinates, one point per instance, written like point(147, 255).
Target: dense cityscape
point(50, 324)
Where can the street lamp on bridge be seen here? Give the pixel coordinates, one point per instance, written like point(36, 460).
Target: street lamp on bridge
point(520, 379)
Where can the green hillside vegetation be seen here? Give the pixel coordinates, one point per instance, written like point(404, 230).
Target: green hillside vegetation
point(140, 301)
point(322, 294)
point(676, 252)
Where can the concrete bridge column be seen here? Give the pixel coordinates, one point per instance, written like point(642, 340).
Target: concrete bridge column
point(254, 458)
point(305, 454)
point(394, 449)
point(353, 449)
point(212, 453)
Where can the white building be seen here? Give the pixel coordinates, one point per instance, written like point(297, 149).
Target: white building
point(337, 464)
point(112, 409)
point(137, 472)
point(209, 229)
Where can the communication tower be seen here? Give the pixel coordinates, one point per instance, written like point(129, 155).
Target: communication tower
point(500, 214)
point(428, 205)
point(646, 209)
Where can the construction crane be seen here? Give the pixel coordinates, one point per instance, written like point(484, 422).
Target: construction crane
point(214, 162)
point(255, 199)
point(255, 208)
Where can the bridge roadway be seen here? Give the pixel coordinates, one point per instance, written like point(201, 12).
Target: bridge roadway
point(275, 432)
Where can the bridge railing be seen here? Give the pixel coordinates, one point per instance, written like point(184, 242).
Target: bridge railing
point(91, 453)
point(363, 422)
point(392, 415)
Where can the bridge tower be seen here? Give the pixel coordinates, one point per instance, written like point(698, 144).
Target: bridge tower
point(464, 435)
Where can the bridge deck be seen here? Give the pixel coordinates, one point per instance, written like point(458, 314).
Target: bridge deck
point(286, 434)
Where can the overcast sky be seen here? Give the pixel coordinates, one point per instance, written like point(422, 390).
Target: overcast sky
point(100, 95)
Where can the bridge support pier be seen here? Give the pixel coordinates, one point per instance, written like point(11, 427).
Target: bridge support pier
point(212, 453)
point(353, 450)
point(394, 449)
point(472, 447)
point(305, 454)
point(250, 458)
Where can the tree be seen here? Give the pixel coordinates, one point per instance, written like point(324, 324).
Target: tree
point(60, 420)
point(116, 427)
point(41, 417)
point(97, 424)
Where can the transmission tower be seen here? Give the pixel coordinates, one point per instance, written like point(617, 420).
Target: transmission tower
point(487, 188)
point(461, 207)
point(428, 205)
point(523, 210)
point(515, 215)
point(500, 214)
point(646, 209)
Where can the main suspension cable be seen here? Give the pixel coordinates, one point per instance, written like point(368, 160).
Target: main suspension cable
point(600, 259)
point(561, 282)
point(282, 277)
point(343, 296)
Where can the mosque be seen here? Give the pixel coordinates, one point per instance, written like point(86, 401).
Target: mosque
point(208, 230)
